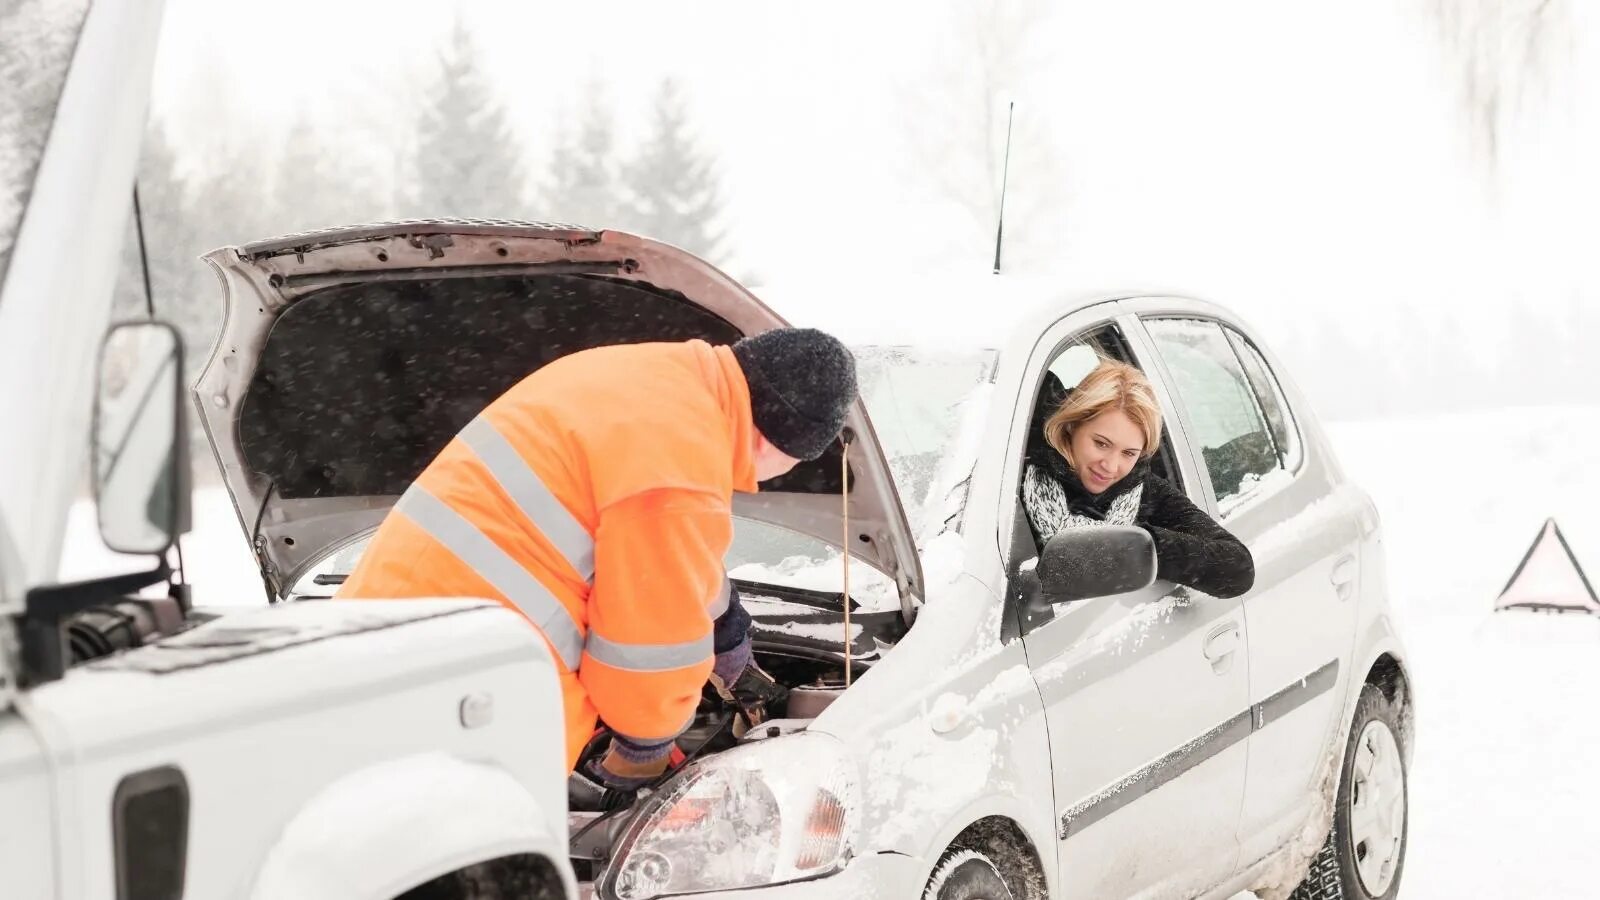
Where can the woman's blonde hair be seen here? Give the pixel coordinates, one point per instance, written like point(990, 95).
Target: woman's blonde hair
point(1112, 385)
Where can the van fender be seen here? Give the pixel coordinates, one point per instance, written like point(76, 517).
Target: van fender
point(383, 830)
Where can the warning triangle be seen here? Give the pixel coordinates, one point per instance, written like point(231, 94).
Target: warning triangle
point(1549, 578)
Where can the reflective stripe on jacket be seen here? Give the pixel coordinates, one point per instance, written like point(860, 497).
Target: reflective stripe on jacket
point(594, 497)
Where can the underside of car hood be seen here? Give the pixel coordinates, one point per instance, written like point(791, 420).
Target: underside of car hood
point(348, 358)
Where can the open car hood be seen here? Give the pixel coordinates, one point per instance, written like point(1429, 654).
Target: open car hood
point(348, 358)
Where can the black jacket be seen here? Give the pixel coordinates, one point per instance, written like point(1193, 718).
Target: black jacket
point(1191, 548)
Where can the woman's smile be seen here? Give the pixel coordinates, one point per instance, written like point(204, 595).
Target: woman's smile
point(1104, 449)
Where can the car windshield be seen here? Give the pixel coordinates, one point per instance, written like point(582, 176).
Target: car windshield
point(927, 408)
point(922, 402)
point(40, 36)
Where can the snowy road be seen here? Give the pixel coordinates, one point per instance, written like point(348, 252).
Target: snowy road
point(1505, 779)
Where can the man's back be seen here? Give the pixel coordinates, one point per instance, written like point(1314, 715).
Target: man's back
point(594, 497)
point(594, 427)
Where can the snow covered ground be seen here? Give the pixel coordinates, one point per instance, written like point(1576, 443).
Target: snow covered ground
point(1505, 778)
point(216, 555)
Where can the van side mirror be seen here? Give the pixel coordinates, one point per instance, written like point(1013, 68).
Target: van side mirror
point(139, 452)
point(139, 443)
point(1080, 563)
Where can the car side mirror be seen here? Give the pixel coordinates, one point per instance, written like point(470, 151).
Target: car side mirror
point(139, 443)
point(1080, 563)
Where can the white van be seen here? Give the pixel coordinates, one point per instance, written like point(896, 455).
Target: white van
point(149, 750)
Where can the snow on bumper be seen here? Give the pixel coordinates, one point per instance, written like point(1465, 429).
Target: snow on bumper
point(881, 876)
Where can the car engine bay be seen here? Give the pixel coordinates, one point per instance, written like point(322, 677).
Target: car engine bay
point(798, 637)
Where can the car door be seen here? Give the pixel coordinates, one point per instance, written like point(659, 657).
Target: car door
point(1146, 694)
point(1269, 480)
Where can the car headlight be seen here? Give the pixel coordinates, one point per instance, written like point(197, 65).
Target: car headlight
point(778, 810)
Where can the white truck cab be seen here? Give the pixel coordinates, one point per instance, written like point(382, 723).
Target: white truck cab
point(148, 750)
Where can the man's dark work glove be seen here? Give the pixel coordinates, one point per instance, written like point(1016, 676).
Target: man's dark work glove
point(624, 769)
point(745, 687)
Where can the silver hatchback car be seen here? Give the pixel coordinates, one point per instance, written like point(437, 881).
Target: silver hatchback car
point(962, 720)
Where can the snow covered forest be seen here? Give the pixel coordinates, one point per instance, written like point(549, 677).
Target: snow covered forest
point(1392, 192)
point(454, 154)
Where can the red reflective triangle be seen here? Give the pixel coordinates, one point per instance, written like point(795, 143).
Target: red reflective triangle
point(1549, 577)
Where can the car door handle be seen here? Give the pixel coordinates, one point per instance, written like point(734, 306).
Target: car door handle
point(1343, 576)
point(1219, 646)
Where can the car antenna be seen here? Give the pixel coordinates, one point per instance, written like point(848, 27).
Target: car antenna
point(845, 437)
point(178, 588)
point(1005, 172)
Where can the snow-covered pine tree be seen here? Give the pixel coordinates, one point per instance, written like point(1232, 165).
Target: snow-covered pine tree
point(177, 275)
point(311, 191)
point(469, 162)
point(582, 186)
point(183, 291)
point(672, 185)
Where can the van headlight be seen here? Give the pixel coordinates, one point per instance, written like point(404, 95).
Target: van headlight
point(778, 810)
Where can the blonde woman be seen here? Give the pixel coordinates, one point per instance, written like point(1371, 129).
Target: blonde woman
point(1093, 467)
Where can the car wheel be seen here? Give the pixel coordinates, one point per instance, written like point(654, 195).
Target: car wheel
point(1366, 849)
point(967, 875)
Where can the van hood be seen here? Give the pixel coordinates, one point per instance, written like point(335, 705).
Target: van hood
point(348, 358)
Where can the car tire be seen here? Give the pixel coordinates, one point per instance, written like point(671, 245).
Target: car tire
point(1365, 852)
point(967, 875)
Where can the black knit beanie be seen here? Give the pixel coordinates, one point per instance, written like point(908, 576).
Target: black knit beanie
point(802, 382)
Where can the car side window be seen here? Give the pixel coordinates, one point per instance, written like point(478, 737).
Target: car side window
point(1071, 362)
point(1274, 405)
point(1076, 361)
point(1230, 428)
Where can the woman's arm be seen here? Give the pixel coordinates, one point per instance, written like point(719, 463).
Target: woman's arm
point(1191, 548)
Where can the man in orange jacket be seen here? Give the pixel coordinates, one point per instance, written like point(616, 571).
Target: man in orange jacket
point(595, 498)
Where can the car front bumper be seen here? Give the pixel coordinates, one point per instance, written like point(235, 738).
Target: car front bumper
point(882, 876)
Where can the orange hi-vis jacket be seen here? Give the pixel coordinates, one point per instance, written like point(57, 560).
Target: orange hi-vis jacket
point(595, 498)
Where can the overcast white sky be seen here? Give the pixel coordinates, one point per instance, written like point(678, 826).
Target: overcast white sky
point(1277, 157)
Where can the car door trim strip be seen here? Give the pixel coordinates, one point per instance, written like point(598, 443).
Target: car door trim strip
point(1155, 774)
point(1197, 751)
point(1295, 695)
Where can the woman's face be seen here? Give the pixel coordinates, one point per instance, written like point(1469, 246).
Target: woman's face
point(1104, 449)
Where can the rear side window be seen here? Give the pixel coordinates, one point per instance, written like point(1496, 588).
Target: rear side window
point(1274, 405)
point(1227, 419)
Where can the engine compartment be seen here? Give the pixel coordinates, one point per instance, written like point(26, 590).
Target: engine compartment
point(799, 638)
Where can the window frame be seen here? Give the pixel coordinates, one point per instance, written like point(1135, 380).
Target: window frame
point(1280, 397)
point(1047, 347)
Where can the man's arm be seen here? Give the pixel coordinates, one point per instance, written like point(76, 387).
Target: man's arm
point(658, 569)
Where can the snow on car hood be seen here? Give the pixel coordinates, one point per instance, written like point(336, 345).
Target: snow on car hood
point(348, 358)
